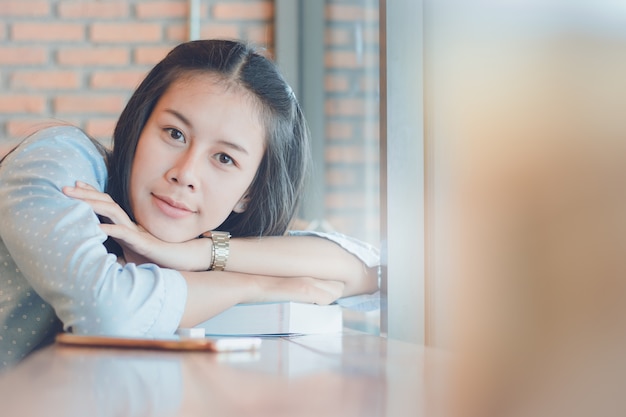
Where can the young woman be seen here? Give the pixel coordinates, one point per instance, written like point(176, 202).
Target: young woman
point(185, 217)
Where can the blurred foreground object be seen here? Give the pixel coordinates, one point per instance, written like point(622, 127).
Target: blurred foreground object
point(533, 99)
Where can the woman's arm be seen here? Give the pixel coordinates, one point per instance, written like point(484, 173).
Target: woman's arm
point(321, 256)
point(213, 292)
point(289, 256)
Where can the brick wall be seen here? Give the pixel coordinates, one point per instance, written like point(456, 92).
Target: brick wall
point(78, 61)
point(351, 111)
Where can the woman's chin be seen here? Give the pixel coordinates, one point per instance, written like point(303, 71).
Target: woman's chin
point(172, 235)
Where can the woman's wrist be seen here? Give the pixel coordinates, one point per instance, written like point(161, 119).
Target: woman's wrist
point(220, 249)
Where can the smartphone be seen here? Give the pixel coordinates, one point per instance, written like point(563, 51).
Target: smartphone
point(175, 342)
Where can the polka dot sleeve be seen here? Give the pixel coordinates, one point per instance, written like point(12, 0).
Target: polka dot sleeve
point(54, 247)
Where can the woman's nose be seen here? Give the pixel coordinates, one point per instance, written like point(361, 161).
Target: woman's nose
point(184, 172)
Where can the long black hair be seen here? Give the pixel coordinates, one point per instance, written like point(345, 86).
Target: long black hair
point(276, 190)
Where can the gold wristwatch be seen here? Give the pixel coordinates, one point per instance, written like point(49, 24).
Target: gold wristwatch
point(220, 251)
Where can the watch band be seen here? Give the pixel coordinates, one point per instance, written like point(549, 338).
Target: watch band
point(221, 249)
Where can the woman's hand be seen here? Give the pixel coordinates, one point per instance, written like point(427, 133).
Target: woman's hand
point(210, 293)
point(140, 246)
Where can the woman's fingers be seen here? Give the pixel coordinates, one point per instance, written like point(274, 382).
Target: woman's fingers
point(300, 289)
point(85, 191)
point(100, 202)
point(330, 291)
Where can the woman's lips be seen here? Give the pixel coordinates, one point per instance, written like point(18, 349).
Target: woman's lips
point(171, 208)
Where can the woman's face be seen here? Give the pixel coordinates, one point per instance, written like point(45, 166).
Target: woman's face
point(196, 157)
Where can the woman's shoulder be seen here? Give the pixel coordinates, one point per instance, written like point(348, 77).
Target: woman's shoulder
point(64, 146)
point(59, 137)
point(62, 139)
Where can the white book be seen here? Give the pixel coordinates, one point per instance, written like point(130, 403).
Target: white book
point(269, 319)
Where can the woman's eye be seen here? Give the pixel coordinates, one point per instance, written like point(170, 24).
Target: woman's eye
point(224, 159)
point(175, 134)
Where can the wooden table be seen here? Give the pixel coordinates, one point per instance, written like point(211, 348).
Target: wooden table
point(347, 374)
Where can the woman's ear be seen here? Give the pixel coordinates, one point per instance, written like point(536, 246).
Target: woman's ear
point(242, 204)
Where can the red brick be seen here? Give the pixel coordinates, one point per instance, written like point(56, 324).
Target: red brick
point(22, 127)
point(31, 55)
point(90, 9)
point(22, 103)
point(21, 8)
point(45, 80)
point(262, 10)
point(341, 12)
point(162, 9)
point(341, 59)
point(336, 83)
point(177, 32)
point(220, 30)
point(260, 34)
point(341, 178)
point(101, 128)
point(345, 107)
point(125, 32)
point(46, 32)
point(93, 56)
point(88, 103)
point(127, 80)
point(338, 37)
point(339, 130)
point(150, 55)
point(344, 154)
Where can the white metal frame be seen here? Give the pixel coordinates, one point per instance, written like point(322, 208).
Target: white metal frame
point(402, 146)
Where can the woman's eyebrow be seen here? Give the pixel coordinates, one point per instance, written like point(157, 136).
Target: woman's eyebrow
point(233, 145)
point(179, 116)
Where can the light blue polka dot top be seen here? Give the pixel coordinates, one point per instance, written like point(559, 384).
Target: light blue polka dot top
point(55, 272)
